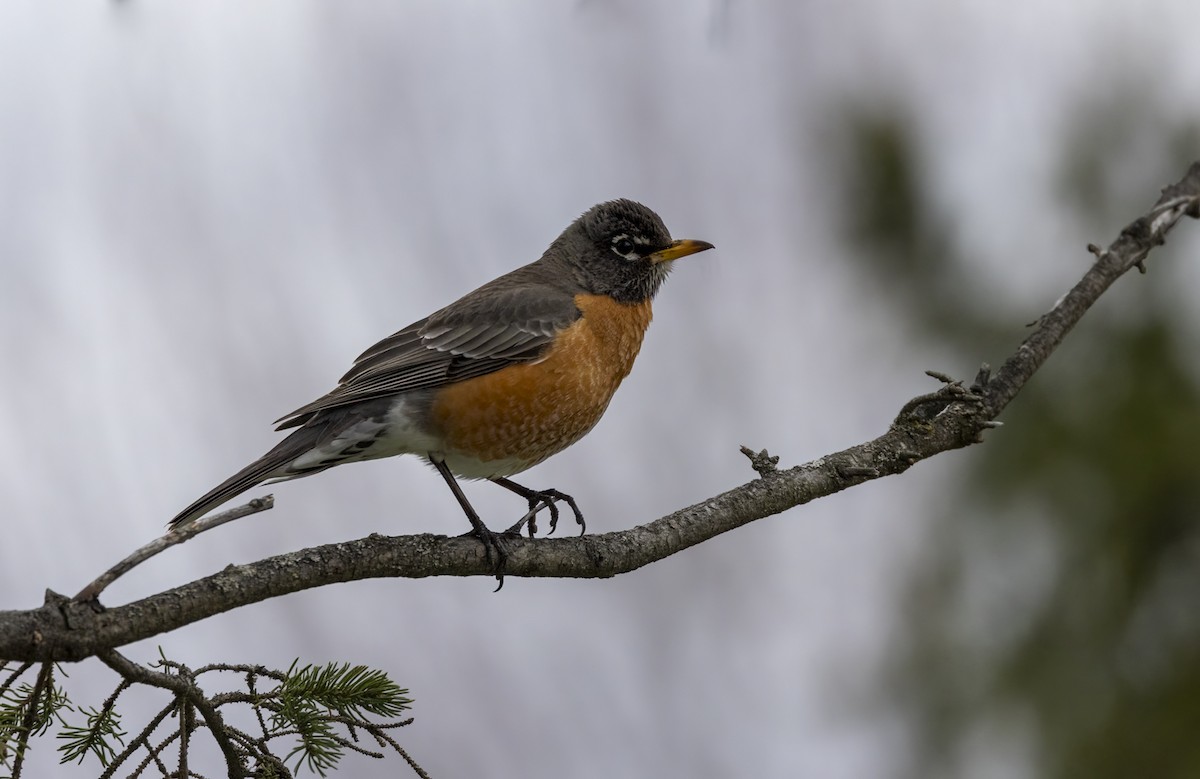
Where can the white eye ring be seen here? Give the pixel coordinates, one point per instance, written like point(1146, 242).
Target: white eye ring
point(624, 247)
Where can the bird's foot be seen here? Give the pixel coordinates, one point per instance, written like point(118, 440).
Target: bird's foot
point(495, 549)
point(546, 499)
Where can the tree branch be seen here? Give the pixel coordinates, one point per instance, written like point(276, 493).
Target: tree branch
point(184, 689)
point(168, 540)
point(1128, 251)
point(952, 418)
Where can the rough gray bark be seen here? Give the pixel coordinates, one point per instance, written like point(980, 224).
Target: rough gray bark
point(952, 418)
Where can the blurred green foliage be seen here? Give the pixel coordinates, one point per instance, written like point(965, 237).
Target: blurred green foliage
point(1052, 624)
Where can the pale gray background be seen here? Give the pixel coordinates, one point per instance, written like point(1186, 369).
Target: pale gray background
point(207, 209)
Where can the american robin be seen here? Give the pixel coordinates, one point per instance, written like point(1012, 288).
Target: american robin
point(497, 381)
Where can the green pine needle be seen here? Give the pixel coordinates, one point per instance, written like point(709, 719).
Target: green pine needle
point(92, 738)
point(310, 696)
point(15, 731)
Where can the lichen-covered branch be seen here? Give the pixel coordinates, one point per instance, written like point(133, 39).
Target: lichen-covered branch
point(951, 418)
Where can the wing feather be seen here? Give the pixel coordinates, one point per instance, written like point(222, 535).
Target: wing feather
point(507, 322)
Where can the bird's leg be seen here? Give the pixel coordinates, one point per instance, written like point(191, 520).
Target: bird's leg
point(491, 541)
point(538, 500)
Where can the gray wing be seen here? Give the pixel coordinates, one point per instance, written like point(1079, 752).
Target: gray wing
point(500, 324)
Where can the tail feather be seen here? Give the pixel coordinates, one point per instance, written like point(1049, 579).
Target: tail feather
point(269, 466)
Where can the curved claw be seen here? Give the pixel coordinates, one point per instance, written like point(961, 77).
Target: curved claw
point(542, 499)
point(493, 549)
point(550, 499)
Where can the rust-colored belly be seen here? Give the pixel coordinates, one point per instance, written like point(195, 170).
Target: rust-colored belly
point(528, 412)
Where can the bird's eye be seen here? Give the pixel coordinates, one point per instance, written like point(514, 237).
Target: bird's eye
point(623, 246)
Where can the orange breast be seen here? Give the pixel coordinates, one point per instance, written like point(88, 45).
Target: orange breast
point(528, 412)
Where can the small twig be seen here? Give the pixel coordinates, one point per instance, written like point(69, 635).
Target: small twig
point(951, 391)
point(979, 385)
point(240, 668)
point(136, 743)
point(184, 687)
point(407, 758)
point(168, 540)
point(346, 743)
point(252, 688)
point(762, 462)
point(154, 752)
point(30, 718)
point(187, 723)
point(16, 674)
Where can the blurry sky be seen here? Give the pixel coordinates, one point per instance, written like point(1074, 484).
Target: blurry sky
point(207, 210)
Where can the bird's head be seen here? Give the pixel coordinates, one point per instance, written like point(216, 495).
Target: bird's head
point(621, 249)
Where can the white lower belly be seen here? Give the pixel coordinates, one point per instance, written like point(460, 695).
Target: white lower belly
point(470, 468)
point(399, 432)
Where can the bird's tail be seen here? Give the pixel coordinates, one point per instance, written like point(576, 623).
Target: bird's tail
point(272, 465)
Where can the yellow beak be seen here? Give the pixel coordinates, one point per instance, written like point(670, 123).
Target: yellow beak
point(679, 249)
